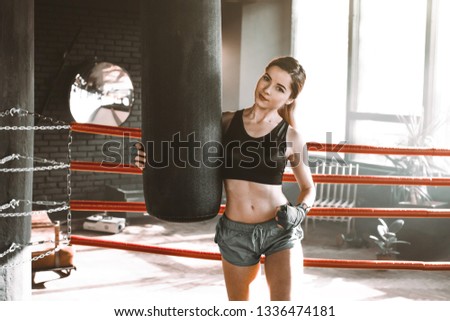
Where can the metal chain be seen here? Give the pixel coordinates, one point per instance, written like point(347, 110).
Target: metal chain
point(22, 214)
point(11, 249)
point(36, 159)
point(46, 118)
point(9, 158)
point(40, 242)
point(43, 160)
point(15, 246)
point(13, 203)
point(41, 256)
point(69, 185)
point(5, 113)
point(34, 169)
point(55, 165)
point(57, 127)
point(23, 112)
point(48, 203)
point(10, 112)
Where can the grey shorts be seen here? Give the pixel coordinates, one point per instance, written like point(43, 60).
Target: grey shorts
point(243, 244)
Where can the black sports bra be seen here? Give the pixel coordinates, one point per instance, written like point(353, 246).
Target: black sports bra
point(261, 159)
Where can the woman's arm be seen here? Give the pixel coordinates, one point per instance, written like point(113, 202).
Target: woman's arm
point(290, 216)
point(298, 157)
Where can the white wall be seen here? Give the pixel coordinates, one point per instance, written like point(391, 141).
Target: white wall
point(231, 54)
point(266, 33)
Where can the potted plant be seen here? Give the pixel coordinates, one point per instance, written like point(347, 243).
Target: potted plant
point(419, 136)
point(387, 239)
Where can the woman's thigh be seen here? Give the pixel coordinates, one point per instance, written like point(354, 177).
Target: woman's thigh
point(238, 280)
point(283, 271)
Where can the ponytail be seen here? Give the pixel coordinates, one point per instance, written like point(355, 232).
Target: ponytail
point(287, 113)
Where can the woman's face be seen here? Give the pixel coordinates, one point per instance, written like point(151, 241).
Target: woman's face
point(273, 89)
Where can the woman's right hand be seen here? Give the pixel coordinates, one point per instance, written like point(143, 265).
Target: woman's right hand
point(140, 159)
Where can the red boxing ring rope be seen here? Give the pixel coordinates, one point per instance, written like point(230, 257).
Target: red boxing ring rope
point(104, 167)
point(139, 207)
point(312, 146)
point(106, 130)
point(374, 180)
point(117, 168)
point(107, 206)
point(367, 149)
point(308, 262)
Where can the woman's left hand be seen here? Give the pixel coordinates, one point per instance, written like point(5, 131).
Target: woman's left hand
point(289, 216)
point(140, 158)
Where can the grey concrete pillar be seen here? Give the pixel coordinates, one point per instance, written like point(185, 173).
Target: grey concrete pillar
point(181, 107)
point(16, 90)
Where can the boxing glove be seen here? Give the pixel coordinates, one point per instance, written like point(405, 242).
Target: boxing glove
point(290, 216)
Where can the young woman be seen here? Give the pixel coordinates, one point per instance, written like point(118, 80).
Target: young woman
point(259, 220)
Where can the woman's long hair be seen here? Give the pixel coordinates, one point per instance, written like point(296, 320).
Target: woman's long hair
point(298, 76)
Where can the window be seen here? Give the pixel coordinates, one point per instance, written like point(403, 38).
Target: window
point(320, 45)
point(391, 56)
point(369, 62)
point(441, 93)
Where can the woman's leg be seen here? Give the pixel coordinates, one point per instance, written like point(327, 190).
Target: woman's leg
point(238, 279)
point(283, 273)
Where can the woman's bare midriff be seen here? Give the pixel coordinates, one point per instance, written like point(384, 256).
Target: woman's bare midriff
point(250, 202)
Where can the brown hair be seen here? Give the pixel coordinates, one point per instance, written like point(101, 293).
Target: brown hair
point(298, 76)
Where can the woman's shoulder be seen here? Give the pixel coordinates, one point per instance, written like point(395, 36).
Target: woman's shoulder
point(294, 135)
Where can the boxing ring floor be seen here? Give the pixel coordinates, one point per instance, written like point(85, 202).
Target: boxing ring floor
point(110, 274)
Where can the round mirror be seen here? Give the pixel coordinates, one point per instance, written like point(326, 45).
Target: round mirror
point(103, 94)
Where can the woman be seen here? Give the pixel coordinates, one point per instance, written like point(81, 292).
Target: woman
point(259, 220)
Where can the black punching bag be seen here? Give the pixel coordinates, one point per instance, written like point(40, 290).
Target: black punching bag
point(181, 108)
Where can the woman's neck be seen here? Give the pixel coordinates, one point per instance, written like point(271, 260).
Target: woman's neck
point(262, 115)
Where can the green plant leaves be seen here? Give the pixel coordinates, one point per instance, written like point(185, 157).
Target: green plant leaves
point(387, 239)
point(396, 226)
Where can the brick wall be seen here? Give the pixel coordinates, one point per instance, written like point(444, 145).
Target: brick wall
point(107, 30)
